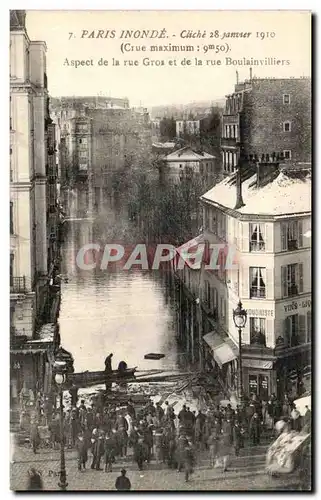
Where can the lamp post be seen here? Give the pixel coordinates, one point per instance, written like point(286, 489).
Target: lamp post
point(239, 318)
point(60, 379)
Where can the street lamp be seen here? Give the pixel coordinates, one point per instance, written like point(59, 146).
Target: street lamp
point(60, 379)
point(239, 318)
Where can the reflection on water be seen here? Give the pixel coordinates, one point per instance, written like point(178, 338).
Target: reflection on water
point(127, 313)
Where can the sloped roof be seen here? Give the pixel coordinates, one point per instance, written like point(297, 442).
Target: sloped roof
point(188, 154)
point(286, 194)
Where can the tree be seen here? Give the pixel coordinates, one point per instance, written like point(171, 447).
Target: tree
point(167, 128)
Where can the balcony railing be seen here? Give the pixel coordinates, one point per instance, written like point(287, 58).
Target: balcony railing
point(257, 246)
point(18, 284)
point(229, 141)
point(258, 293)
point(293, 290)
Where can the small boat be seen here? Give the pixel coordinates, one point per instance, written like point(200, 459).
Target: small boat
point(154, 356)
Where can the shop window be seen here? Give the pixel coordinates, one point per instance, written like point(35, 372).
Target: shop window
point(259, 385)
point(293, 334)
point(257, 282)
point(257, 331)
point(257, 243)
point(292, 280)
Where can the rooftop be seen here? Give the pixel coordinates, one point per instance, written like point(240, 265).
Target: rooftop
point(289, 192)
point(188, 154)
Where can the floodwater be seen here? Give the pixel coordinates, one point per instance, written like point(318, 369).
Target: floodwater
point(127, 313)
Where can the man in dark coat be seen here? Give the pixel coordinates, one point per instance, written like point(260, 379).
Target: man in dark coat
point(307, 420)
point(109, 451)
point(255, 429)
point(35, 481)
point(159, 412)
point(200, 429)
point(82, 455)
point(238, 440)
point(229, 413)
point(97, 448)
point(108, 370)
point(139, 451)
point(122, 482)
point(131, 410)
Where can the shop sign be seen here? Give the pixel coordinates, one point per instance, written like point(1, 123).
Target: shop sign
point(261, 312)
point(298, 304)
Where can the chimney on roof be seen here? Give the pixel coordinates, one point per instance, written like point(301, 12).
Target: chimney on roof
point(239, 199)
point(266, 168)
point(251, 74)
point(237, 77)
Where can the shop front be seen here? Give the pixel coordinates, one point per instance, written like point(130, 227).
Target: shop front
point(258, 378)
point(294, 372)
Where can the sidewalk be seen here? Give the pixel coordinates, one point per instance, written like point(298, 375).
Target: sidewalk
point(246, 473)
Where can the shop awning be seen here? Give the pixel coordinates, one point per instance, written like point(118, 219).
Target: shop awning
point(224, 350)
point(260, 364)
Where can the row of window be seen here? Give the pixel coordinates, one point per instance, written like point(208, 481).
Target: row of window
point(291, 232)
point(292, 281)
point(231, 131)
point(297, 330)
point(230, 160)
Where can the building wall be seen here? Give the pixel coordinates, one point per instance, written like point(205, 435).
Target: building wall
point(264, 113)
point(235, 284)
point(28, 177)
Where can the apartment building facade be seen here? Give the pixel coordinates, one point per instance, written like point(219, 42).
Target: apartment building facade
point(30, 245)
point(270, 235)
point(96, 143)
point(271, 113)
point(186, 162)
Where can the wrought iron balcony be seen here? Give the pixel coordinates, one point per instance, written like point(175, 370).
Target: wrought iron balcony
point(18, 284)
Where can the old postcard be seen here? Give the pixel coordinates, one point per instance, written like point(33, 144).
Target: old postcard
point(160, 250)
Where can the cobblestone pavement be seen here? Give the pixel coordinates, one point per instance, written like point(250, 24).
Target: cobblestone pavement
point(242, 475)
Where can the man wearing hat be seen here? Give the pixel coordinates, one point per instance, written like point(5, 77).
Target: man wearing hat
point(122, 482)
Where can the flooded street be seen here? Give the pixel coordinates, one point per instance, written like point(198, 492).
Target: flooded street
point(127, 313)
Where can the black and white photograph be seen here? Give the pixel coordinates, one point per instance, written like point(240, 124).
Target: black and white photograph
point(160, 250)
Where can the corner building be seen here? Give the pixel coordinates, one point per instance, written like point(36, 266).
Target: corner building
point(271, 234)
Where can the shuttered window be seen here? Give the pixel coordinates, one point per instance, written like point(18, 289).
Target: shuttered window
point(291, 235)
point(257, 282)
point(291, 337)
point(292, 280)
point(256, 236)
point(309, 326)
point(257, 331)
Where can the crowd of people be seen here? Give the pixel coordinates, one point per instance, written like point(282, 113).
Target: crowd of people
point(105, 434)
